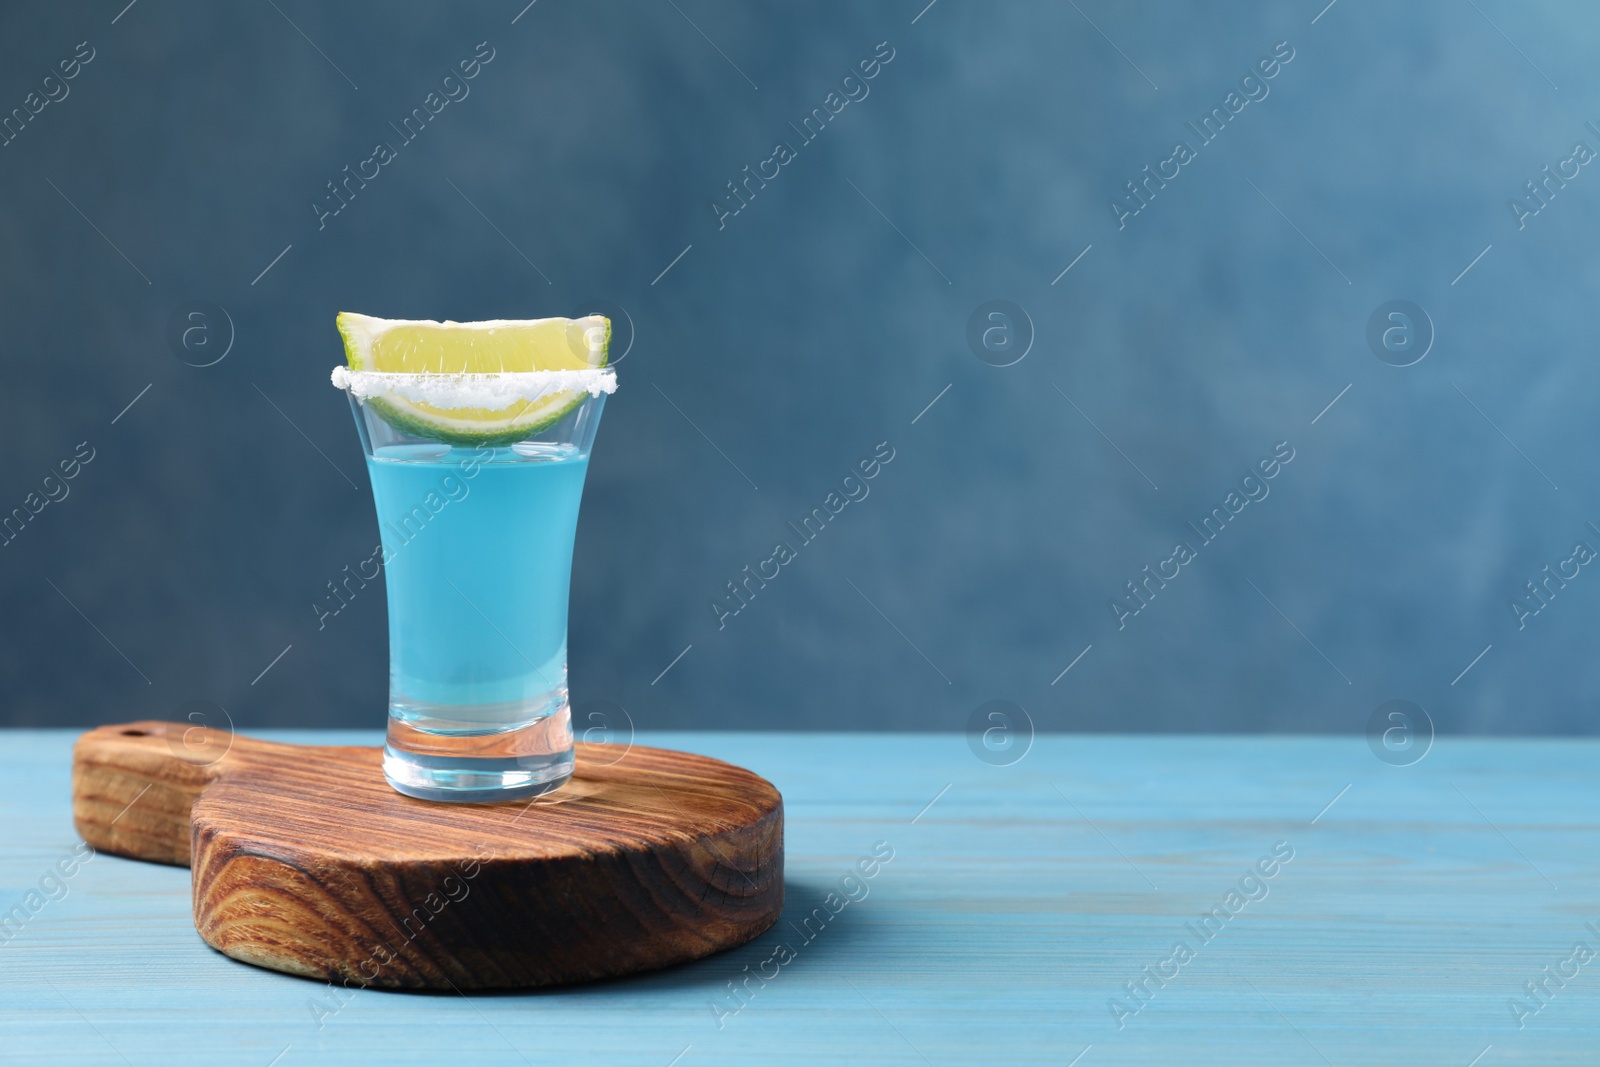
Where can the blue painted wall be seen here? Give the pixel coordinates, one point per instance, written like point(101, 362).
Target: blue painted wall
point(791, 339)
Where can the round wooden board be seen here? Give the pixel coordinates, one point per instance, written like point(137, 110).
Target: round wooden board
point(306, 861)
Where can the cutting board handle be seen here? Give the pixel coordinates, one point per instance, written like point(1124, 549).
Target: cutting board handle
point(133, 785)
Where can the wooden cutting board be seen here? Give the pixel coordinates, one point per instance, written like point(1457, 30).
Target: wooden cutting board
point(306, 861)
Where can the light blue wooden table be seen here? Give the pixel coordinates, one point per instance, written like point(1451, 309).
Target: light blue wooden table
point(1019, 903)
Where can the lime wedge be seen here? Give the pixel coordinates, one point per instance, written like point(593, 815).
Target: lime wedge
point(495, 347)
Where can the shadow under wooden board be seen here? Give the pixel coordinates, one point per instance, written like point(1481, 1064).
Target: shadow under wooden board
point(306, 861)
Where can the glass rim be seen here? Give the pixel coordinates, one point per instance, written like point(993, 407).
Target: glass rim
point(492, 391)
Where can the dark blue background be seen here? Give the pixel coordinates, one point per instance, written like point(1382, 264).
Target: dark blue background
point(818, 322)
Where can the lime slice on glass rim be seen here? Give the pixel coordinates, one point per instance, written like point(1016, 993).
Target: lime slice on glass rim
point(488, 383)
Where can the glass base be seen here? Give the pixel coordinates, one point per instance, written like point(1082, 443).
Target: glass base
point(477, 766)
point(472, 781)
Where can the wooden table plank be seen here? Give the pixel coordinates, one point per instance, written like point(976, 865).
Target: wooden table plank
point(1014, 910)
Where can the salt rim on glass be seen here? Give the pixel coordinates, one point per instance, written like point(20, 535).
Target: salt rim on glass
point(492, 392)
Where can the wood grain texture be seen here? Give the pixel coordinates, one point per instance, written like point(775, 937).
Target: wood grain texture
point(1016, 906)
point(306, 861)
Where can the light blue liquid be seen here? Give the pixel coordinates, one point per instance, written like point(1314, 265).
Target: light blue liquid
point(478, 557)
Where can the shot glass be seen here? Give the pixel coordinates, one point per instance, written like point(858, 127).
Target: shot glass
point(477, 539)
